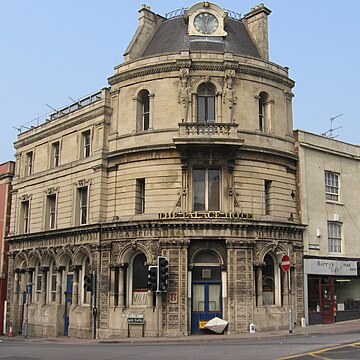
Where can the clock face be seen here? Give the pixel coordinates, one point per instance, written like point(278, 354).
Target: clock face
point(206, 23)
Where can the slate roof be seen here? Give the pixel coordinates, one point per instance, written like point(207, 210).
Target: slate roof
point(172, 37)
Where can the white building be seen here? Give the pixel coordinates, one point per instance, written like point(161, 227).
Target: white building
point(329, 180)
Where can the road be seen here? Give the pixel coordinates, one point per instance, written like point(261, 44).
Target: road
point(268, 348)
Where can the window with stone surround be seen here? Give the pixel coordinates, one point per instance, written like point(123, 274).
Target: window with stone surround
point(81, 206)
point(29, 163)
point(206, 104)
point(24, 221)
point(206, 189)
point(143, 110)
point(50, 212)
point(52, 273)
point(140, 196)
point(55, 154)
point(85, 144)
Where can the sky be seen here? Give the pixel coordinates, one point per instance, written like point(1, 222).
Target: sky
point(54, 51)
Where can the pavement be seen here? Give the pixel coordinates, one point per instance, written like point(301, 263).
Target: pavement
point(351, 326)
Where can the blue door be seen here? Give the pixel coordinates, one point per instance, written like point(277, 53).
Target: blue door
point(68, 301)
point(206, 297)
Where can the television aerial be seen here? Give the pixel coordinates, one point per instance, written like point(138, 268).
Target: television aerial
point(330, 132)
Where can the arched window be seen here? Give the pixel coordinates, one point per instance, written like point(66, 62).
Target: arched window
point(139, 280)
point(85, 270)
point(263, 111)
point(206, 104)
point(38, 283)
point(268, 281)
point(52, 281)
point(143, 110)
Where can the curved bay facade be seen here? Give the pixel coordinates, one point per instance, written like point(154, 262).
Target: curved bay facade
point(188, 154)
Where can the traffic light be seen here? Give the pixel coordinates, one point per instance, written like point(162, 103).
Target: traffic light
point(88, 282)
point(152, 278)
point(163, 273)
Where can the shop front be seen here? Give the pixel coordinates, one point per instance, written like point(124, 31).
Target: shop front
point(332, 290)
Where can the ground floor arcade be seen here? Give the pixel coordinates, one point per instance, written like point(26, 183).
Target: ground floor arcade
point(224, 269)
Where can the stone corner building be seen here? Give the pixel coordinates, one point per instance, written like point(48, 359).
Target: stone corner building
point(188, 154)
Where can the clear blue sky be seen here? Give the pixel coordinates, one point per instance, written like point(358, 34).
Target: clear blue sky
point(52, 51)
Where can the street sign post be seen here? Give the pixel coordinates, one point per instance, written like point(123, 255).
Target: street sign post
point(285, 266)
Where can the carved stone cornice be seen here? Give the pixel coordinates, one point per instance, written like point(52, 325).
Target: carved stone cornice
point(266, 75)
point(143, 71)
point(183, 63)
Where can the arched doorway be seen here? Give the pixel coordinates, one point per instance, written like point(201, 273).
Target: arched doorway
point(206, 290)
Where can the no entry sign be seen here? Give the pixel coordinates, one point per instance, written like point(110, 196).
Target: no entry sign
point(285, 263)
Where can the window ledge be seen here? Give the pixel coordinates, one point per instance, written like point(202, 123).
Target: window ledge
point(334, 202)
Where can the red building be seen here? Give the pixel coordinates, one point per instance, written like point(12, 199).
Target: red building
point(6, 175)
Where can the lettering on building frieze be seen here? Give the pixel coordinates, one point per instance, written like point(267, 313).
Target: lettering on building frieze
point(206, 215)
point(276, 234)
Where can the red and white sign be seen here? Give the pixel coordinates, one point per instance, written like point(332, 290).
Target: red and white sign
point(285, 263)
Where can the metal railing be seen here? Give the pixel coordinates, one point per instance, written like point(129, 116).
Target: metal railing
point(180, 12)
point(76, 105)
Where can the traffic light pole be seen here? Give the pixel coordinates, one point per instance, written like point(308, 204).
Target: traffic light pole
point(93, 304)
point(157, 310)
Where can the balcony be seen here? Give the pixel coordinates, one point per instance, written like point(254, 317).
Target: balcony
point(208, 134)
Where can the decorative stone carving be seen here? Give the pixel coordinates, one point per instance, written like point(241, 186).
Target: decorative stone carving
point(184, 93)
point(229, 97)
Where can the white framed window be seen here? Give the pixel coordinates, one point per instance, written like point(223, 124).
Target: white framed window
point(206, 189)
point(334, 237)
point(332, 186)
point(55, 154)
point(86, 144)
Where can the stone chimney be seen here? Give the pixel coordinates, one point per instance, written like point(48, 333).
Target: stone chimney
point(256, 22)
point(148, 24)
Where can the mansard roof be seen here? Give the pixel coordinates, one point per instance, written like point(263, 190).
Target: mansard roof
point(172, 36)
